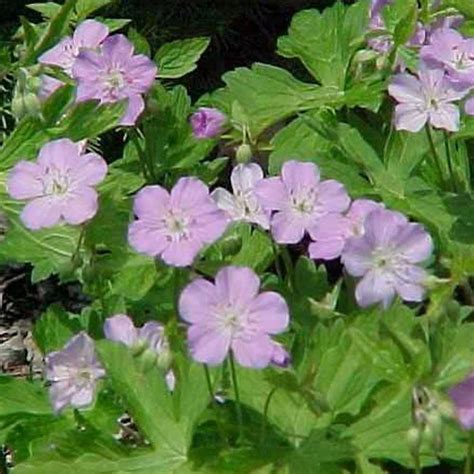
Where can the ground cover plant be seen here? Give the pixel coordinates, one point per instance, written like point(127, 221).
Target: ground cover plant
point(275, 278)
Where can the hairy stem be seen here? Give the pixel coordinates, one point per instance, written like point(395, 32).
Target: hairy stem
point(434, 154)
point(236, 392)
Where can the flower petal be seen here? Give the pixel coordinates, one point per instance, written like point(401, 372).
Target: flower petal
point(136, 105)
point(374, 287)
point(415, 243)
point(182, 253)
point(446, 116)
point(406, 88)
point(197, 301)
point(245, 176)
point(120, 328)
point(207, 345)
point(287, 227)
point(43, 212)
point(271, 312)
point(89, 34)
point(80, 206)
point(60, 154)
point(410, 117)
point(357, 256)
point(237, 285)
point(91, 170)
point(256, 353)
point(151, 203)
point(24, 181)
point(332, 197)
point(272, 193)
point(297, 175)
point(146, 238)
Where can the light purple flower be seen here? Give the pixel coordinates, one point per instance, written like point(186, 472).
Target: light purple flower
point(48, 86)
point(462, 396)
point(207, 122)
point(280, 357)
point(449, 49)
point(383, 42)
point(73, 373)
point(58, 186)
point(175, 226)
point(426, 98)
point(114, 73)
point(231, 315)
point(300, 199)
point(151, 336)
point(88, 35)
point(386, 258)
point(331, 231)
point(243, 205)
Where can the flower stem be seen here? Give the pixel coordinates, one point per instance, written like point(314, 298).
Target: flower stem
point(147, 169)
point(80, 240)
point(416, 460)
point(434, 153)
point(450, 162)
point(209, 382)
point(469, 454)
point(265, 413)
point(236, 392)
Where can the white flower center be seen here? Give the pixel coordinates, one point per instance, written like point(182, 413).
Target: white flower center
point(114, 82)
point(303, 201)
point(178, 227)
point(55, 183)
point(247, 204)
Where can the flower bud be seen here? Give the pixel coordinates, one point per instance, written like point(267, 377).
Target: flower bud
point(243, 153)
point(414, 439)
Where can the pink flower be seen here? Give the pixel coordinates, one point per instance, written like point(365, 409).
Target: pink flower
point(230, 314)
point(176, 225)
point(332, 231)
point(150, 337)
point(48, 86)
point(114, 73)
point(207, 122)
point(300, 199)
point(243, 205)
point(449, 49)
point(462, 396)
point(386, 258)
point(73, 373)
point(426, 98)
point(59, 186)
point(88, 35)
point(120, 328)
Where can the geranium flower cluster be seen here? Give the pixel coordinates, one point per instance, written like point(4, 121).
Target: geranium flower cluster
point(104, 68)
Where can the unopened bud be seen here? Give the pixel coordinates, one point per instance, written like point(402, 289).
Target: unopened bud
point(243, 153)
point(414, 438)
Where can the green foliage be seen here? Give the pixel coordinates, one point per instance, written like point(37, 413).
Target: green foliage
point(178, 58)
point(347, 402)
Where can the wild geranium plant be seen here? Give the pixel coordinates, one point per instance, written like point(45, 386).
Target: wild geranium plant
point(302, 304)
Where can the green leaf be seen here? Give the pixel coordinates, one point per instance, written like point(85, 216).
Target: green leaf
point(406, 27)
point(180, 57)
point(148, 399)
point(287, 411)
point(268, 94)
point(141, 462)
point(466, 7)
point(55, 30)
point(89, 120)
point(344, 378)
point(48, 9)
point(50, 251)
point(319, 453)
point(140, 43)
point(325, 42)
point(309, 280)
point(55, 327)
point(21, 396)
point(85, 7)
